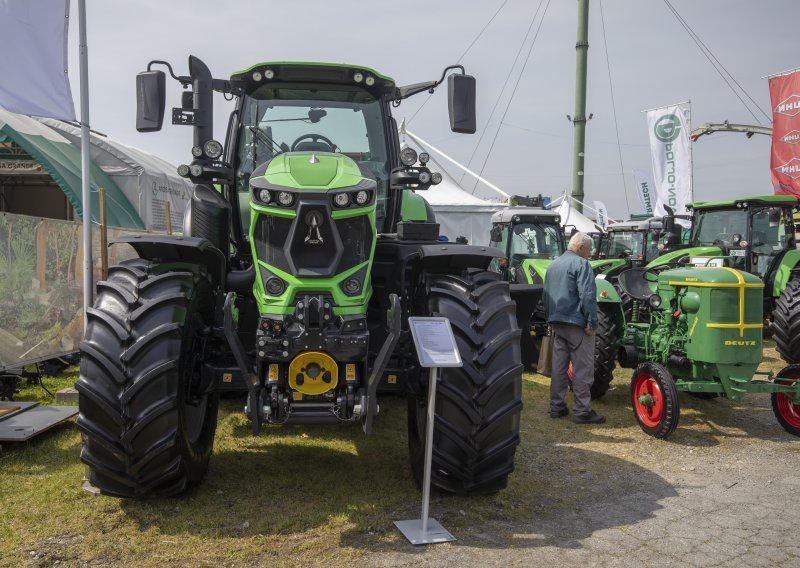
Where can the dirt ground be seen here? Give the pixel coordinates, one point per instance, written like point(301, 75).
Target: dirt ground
point(719, 492)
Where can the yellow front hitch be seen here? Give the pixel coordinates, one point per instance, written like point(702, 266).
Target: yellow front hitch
point(313, 373)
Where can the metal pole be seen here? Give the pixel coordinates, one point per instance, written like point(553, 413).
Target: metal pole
point(579, 119)
point(86, 196)
point(426, 477)
point(103, 236)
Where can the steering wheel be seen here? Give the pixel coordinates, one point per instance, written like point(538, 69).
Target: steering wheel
point(651, 274)
point(313, 138)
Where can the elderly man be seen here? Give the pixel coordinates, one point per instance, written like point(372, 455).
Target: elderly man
point(571, 306)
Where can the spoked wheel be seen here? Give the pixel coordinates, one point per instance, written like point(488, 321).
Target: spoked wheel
point(654, 398)
point(786, 410)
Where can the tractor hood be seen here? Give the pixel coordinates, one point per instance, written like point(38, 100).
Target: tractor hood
point(711, 276)
point(310, 170)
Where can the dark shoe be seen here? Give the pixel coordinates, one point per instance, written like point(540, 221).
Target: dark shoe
point(591, 418)
point(559, 413)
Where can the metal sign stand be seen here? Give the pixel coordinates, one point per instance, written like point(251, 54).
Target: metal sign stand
point(436, 347)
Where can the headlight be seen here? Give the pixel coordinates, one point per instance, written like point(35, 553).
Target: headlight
point(341, 200)
point(424, 157)
point(352, 286)
point(257, 75)
point(269, 74)
point(263, 195)
point(358, 77)
point(436, 178)
point(370, 81)
point(424, 177)
point(362, 197)
point(196, 170)
point(408, 156)
point(274, 286)
point(183, 170)
point(654, 300)
point(285, 198)
point(197, 151)
point(212, 149)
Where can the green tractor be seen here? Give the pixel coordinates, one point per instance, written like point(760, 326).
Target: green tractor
point(530, 237)
point(293, 279)
point(756, 235)
point(705, 338)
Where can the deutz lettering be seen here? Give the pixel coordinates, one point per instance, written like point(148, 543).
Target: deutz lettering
point(741, 343)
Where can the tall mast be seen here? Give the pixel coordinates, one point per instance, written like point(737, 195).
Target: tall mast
point(579, 119)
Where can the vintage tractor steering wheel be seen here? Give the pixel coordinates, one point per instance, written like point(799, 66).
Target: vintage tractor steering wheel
point(651, 274)
point(314, 138)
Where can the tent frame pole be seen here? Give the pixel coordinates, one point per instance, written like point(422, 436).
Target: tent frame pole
point(86, 196)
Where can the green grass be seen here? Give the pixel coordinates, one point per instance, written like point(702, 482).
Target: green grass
point(326, 494)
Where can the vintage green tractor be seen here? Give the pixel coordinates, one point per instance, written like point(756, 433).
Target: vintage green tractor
point(756, 235)
point(530, 237)
point(704, 337)
point(300, 297)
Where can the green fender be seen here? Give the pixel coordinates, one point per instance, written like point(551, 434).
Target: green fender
point(608, 300)
point(788, 263)
point(674, 255)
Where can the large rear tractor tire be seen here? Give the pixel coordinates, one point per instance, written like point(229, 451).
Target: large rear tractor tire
point(786, 322)
point(147, 418)
point(476, 430)
point(605, 347)
point(786, 410)
point(654, 399)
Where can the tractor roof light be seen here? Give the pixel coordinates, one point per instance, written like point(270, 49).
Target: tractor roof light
point(358, 76)
point(212, 149)
point(370, 80)
point(424, 177)
point(408, 156)
point(197, 151)
point(269, 73)
point(183, 170)
point(436, 178)
point(257, 76)
point(196, 170)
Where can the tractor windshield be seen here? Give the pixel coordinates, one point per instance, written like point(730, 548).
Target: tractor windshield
point(624, 244)
point(531, 240)
point(728, 226)
point(311, 118)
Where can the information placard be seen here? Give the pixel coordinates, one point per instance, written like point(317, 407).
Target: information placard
point(434, 341)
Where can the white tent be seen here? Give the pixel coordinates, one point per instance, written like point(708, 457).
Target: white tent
point(570, 217)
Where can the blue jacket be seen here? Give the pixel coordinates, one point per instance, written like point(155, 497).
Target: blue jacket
point(570, 294)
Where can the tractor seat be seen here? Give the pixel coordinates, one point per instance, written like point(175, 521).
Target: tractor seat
point(633, 282)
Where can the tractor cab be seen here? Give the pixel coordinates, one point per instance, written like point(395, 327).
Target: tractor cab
point(750, 234)
point(529, 236)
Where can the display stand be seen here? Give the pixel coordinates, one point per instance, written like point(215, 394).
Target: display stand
point(436, 347)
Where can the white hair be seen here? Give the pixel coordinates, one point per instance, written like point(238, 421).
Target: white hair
point(580, 240)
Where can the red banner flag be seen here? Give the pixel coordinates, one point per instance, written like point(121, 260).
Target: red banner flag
point(784, 91)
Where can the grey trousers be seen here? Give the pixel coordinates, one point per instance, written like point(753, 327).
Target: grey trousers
point(570, 343)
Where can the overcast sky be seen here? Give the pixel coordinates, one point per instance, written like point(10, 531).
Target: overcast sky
point(653, 62)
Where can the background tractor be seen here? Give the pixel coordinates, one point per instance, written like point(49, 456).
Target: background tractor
point(756, 235)
point(293, 279)
point(530, 237)
point(705, 338)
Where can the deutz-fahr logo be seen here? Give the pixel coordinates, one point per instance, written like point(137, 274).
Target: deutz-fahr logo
point(667, 128)
point(792, 137)
point(790, 168)
point(789, 106)
point(740, 343)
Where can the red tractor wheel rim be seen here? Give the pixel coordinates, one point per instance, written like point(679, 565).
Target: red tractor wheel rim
point(787, 408)
point(649, 414)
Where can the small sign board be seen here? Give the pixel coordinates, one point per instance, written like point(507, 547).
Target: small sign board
point(708, 261)
point(434, 341)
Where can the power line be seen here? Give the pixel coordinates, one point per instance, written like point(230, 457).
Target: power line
point(614, 110)
point(513, 92)
point(485, 128)
point(717, 64)
point(474, 41)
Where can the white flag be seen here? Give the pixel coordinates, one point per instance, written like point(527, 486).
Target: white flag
point(645, 188)
point(33, 68)
point(601, 214)
point(672, 157)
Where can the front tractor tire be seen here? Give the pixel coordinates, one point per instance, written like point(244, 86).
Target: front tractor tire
point(477, 414)
point(654, 398)
point(147, 418)
point(786, 322)
point(605, 351)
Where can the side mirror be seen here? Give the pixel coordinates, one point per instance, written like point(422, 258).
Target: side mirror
point(150, 99)
point(496, 234)
point(461, 103)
